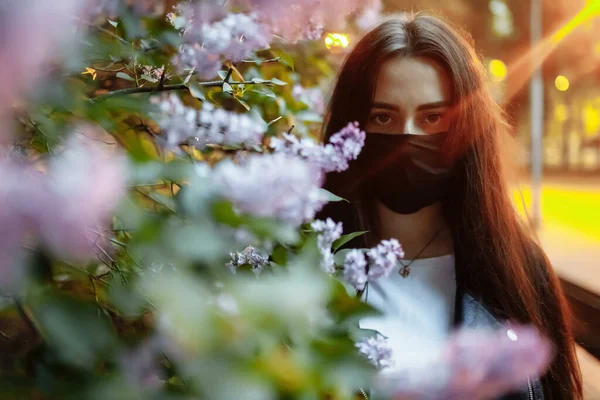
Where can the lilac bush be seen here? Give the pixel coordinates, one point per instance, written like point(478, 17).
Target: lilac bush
point(141, 172)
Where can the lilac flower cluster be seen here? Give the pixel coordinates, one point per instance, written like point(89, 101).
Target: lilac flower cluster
point(379, 261)
point(312, 97)
point(110, 8)
point(250, 256)
point(272, 185)
point(295, 20)
point(31, 31)
point(473, 364)
point(355, 269)
point(328, 232)
point(377, 350)
point(208, 41)
point(81, 188)
point(344, 146)
point(210, 125)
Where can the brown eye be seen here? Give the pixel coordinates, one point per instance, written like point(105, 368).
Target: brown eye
point(382, 119)
point(433, 118)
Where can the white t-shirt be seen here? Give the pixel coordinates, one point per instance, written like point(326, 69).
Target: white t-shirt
point(418, 311)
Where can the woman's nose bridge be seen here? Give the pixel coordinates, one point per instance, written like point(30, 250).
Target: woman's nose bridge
point(409, 125)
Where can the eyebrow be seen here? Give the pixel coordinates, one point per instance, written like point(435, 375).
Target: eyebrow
point(427, 106)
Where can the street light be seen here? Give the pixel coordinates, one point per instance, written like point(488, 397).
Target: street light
point(498, 70)
point(336, 41)
point(562, 83)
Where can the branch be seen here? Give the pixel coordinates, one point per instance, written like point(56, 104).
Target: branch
point(228, 75)
point(26, 318)
point(180, 86)
point(271, 60)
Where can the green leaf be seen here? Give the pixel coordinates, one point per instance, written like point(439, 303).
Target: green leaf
point(346, 238)
point(223, 212)
point(280, 255)
point(113, 23)
point(166, 201)
point(331, 196)
point(346, 307)
point(197, 91)
point(227, 88)
point(125, 76)
point(197, 241)
point(265, 92)
point(285, 59)
point(189, 76)
point(340, 256)
point(243, 103)
point(149, 78)
point(278, 82)
point(77, 331)
point(309, 116)
point(273, 228)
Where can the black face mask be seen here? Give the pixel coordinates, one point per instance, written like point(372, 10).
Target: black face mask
point(405, 172)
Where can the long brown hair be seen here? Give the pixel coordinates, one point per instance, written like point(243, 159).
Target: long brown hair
point(497, 260)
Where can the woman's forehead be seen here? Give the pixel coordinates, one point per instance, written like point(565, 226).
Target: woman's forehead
point(409, 82)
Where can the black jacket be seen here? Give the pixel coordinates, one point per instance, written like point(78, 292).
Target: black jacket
point(471, 313)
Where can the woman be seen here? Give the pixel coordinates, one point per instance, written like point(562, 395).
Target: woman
point(431, 176)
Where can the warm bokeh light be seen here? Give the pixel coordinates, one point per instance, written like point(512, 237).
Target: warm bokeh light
point(498, 70)
point(336, 41)
point(562, 83)
point(591, 119)
point(561, 113)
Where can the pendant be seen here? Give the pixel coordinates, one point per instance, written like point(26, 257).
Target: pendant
point(405, 271)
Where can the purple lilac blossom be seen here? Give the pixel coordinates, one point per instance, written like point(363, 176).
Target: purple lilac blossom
point(81, 188)
point(383, 258)
point(288, 18)
point(377, 350)
point(272, 185)
point(250, 256)
point(110, 8)
point(207, 43)
point(344, 146)
point(181, 124)
point(473, 364)
point(312, 97)
point(328, 232)
point(30, 31)
point(86, 182)
point(355, 269)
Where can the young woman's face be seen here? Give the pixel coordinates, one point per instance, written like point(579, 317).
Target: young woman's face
point(412, 97)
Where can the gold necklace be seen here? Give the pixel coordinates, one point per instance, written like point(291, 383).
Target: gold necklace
point(405, 270)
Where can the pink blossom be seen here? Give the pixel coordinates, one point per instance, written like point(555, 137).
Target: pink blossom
point(328, 232)
point(209, 125)
point(344, 146)
point(30, 31)
point(272, 185)
point(299, 20)
point(86, 181)
point(66, 208)
point(472, 364)
point(207, 43)
point(383, 258)
point(377, 350)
